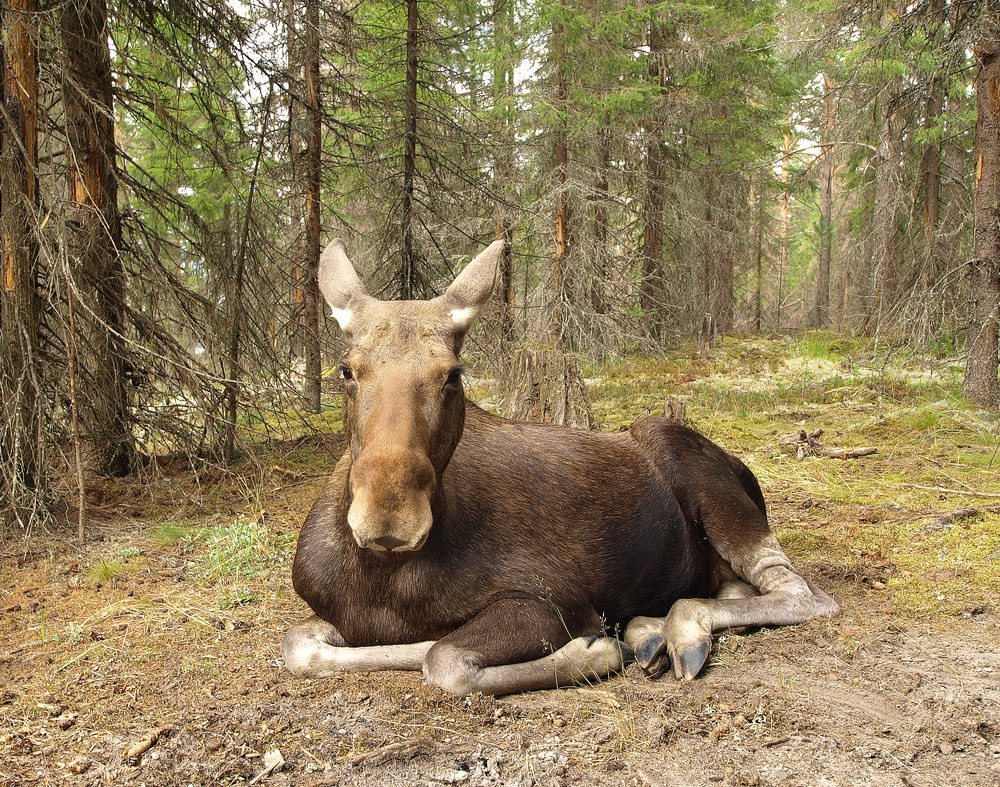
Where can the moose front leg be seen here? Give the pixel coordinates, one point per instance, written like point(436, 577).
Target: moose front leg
point(496, 653)
point(315, 649)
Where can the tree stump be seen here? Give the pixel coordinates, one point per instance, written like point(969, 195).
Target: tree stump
point(708, 336)
point(545, 386)
point(675, 410)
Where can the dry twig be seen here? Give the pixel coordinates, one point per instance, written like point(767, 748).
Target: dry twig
point(400, 750)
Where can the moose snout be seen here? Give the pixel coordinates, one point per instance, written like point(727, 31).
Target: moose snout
point(391, 505)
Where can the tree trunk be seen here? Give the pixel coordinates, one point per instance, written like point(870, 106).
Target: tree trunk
point(314, 168)
point(503, 178)
point(545, 386)
point(784, 225)
point(651, 288)
point(560, 259)
point(409, 287)
point(20, 432)
point(96, 241)
point(598, 296)
point(885, 258)
point(826, 206)
point(981, 383)
point(930, 167)
point(757, 200)
point(296, 197)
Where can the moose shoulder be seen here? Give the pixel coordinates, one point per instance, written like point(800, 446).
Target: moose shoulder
point(499, 556)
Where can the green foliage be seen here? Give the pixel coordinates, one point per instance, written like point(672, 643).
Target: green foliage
point(243, 548)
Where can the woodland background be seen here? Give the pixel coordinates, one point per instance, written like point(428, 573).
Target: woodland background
point(172, 168)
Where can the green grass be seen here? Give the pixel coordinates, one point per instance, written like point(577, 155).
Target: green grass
point(243, 548)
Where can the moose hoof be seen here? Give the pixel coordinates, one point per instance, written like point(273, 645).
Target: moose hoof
point(689, 661)
point(651, 654)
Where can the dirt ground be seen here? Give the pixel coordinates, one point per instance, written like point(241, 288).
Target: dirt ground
point(156, 673)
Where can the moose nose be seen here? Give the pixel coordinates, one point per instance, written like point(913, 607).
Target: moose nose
point(389, 542)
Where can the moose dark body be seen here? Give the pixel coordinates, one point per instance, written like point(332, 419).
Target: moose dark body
point(498, 556)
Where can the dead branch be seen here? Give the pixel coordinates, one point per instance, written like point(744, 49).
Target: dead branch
point(802, 445)
point(944, 520)
point(970, 492)
point(401, 750)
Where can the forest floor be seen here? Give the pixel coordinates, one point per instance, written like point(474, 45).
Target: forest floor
point(151, 655)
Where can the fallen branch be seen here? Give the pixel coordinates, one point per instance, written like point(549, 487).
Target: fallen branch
point(400, 750)
point(947, 491)
point(802, 445)
point(132, 754)
point(944, 520)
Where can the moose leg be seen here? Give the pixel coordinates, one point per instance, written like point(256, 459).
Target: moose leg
point(496, 653)
point(315, 649)
point(683, 638)
point(779, 596)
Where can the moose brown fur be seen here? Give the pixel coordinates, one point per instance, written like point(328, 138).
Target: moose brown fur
point(499, 556)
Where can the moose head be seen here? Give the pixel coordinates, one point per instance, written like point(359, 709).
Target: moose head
point(404, 406)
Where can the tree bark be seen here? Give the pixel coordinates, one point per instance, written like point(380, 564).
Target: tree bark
point(409, 287)
point(562, 207)
point(885, 259)
point(981, 383)
point(651, 289)
point(296, 195)
point(602, 253)
point(784, 225)
point(96, 241)
point(757, 200)
point(313, 382)
point(503, 177)
point(930, 166)
point(20, 434)
point(826, 206)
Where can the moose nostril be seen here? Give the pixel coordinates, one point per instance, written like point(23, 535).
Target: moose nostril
point(389, 542)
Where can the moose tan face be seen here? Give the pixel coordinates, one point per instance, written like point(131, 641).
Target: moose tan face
point(403, 407)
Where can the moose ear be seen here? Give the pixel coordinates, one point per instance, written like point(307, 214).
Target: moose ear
point(340, 284)
point(469, 293)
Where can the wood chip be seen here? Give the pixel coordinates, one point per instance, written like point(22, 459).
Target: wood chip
point(132, 754)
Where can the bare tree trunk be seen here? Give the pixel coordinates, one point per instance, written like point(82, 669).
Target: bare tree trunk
point(20, 436)
point(562, 217)
point(826, 206)
point(503, 180)
point(296, 197)
point(784, 225)
point(981, 384)
point(601, 198)
point(651, 288)
point(314, 169)
point(96, 242)
point(930, 167)
point(757, 199)
point(885, 260)
point(409, 271)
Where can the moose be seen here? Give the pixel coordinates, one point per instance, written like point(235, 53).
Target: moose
point(501, 557)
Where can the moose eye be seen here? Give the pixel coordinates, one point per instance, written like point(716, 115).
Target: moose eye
point(454, 378)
